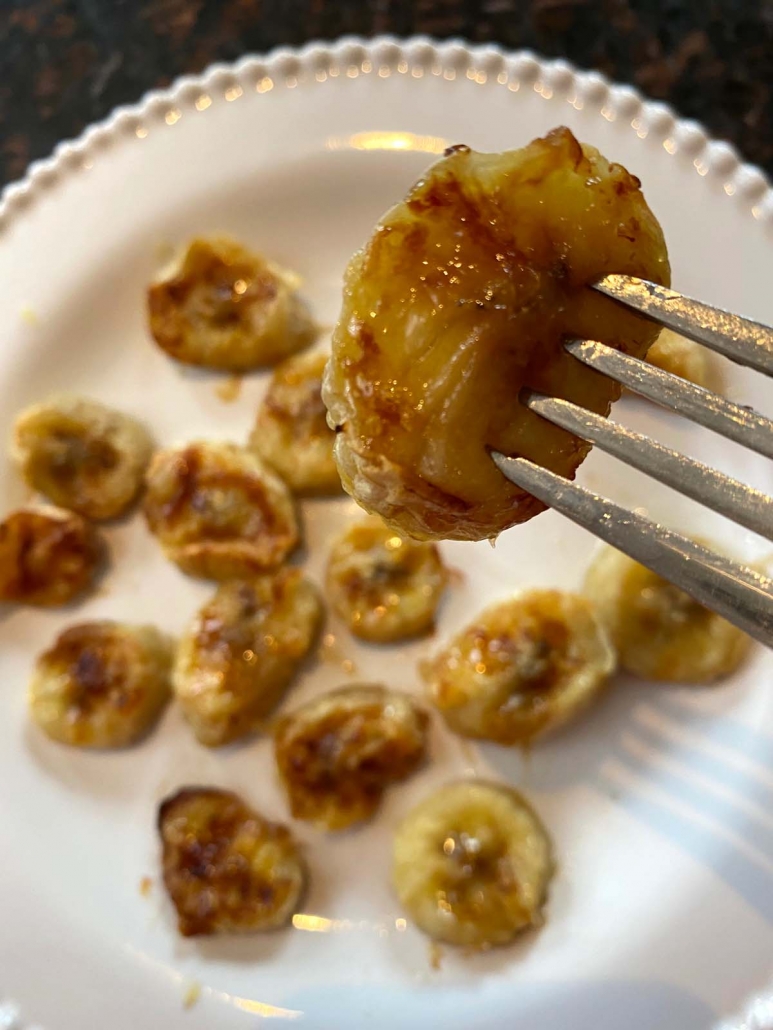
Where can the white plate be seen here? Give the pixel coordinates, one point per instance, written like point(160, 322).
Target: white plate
point(659, 801)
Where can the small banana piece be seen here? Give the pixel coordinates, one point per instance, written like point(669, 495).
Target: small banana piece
point(291, 433)
point(659, 631)
point(48, 556)
point(226, 868)
point(218, 511)
point(523, 668)
point(102, 684)
point(472, 864)
point(386, 587)
point(82, 455)
point(337, 754)
point(224, 307)
point(681, 357)
point(241, 652)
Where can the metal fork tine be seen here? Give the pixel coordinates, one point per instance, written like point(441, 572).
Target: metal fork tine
point(740, 339)
point(745, 505)
point(738, 593)
point(708, 409)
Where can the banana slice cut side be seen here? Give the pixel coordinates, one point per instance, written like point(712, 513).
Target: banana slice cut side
point(291, 432)
point(472, 864)
point(338, 754)
point(385, 586)
point(524, 667)
point(464, 295)
point(102, 684)
point(82, 455)
point(241, 652)
point(222, 306)
point(681, 357)
point(226, 868)
point(218, 511)
point(659, 631)
point(48, 556)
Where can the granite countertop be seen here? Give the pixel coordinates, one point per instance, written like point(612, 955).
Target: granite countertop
point(66, 63)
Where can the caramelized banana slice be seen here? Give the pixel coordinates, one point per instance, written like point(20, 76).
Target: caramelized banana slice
point(102, 684)
point(338, 754)
point(226, 868)
point(47, 556)
point(291, 432)
point(385, 586)
point(523, 668)
point(681, 357)
point(462, 297)
point(659, 631)
point(472, 865)
point(243, 649)
point(224, 307)
point(82, 455)
point(218, 511)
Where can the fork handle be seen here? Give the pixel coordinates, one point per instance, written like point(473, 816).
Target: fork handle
point(740, 339)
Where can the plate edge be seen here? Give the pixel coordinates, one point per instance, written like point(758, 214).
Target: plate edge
point(383, 56)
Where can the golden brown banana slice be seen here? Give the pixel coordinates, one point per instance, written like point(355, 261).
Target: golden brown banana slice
point(102, 684)
point(218, 511)
point(291, 432)
point(82, 455)
point(223, 306)
point(226, 868)
point(242, 651)
point(385, 586)
point(472, 865)
point(48, 556)
point(681, 357)
point(521, 669)
point(462, 297)
point(338, 754)
point(659, 631)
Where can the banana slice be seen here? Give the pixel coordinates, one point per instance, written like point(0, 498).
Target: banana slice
point(291, 432)
point(218, 511)
point(241, 652)
point(222, 306)
point(48, 556)
point(523, 668)
point(338, 754)
point(659, 631)
point(681, 357)
point(226, 868)
point(385, 586)
point(82, 455)
point(472, 865)
point(463, 296)
point(102, 684)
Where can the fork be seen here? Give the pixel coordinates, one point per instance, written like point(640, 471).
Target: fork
point(739, 593)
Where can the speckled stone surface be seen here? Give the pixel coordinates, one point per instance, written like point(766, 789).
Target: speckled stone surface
point(66, 63)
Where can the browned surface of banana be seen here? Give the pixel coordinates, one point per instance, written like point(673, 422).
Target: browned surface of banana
point(82, 455)
point(102, 684)
point(472, 864)
point(226, 868)
point(385, 586)
point(241, 652)
point(463, 296)
point(522, 668)
point(48, 556)
point(338, 754)
point(218, 511)
point(659, 631)
point(223, 306)
point(291, 432)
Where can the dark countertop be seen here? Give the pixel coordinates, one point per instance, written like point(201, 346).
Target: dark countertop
point(66, 63)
